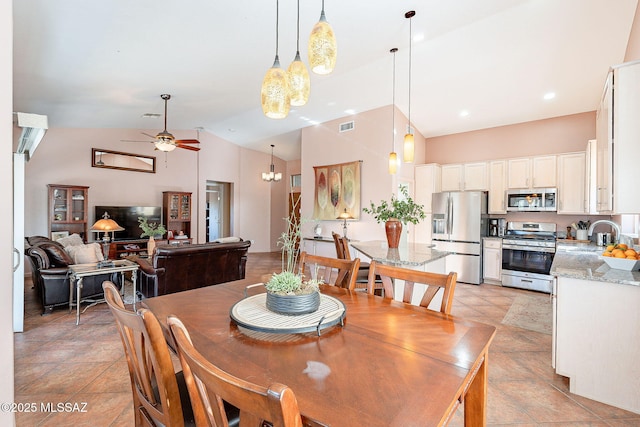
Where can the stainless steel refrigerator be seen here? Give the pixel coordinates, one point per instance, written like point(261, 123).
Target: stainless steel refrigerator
point(458, 226)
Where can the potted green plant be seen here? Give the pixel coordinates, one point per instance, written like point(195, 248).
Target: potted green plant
point(395, 213)
point(287, 291)
point(151, 230)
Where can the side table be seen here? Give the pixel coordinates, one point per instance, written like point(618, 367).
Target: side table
point(79, 271)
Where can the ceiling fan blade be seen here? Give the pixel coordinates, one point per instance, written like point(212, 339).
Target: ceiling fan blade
point(150, 136)
point(188, 147)
point(130, 140)
point(187, 141)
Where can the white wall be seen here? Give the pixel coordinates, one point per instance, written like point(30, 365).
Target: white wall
point(6, 227)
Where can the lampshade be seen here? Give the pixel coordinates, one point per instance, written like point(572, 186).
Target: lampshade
point(409, 146)
point(106, 225)
point(393, 163)
point(299, 82)
point(275, 93)
point(393, 157)
point(323, 49)
point(345, 215)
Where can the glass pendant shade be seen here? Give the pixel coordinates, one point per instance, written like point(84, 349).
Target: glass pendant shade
point(393, 163)
point(299, 82)
point(165, 146)
point(275, 93)
point(408, 148)
point(323, 49)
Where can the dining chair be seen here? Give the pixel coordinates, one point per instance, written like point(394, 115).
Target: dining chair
point(210, 388)
point(343, 252)
point(333, 271)
point(160, 395)
point(433, 281)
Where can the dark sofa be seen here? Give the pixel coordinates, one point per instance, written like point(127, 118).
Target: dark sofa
point(49, 269)
point(180, 268)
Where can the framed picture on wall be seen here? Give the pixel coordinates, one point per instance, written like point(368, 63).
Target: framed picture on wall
point(337, 187)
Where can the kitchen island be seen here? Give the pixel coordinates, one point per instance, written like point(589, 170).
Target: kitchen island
point(417, 256)
point(596, 326)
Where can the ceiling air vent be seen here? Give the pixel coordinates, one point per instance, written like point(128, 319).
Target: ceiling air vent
point(345, 127)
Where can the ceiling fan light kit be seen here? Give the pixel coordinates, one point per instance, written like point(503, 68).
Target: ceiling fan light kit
point(409, 145)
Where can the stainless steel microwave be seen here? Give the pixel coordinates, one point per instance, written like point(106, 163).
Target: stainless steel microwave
point(535, 200)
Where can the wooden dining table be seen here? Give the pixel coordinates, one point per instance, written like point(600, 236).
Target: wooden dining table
point(387, 364)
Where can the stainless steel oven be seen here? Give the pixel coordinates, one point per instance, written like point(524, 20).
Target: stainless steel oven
point(528, 249)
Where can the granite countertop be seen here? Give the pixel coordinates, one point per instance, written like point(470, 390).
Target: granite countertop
point(411, 254)
point(582, 261)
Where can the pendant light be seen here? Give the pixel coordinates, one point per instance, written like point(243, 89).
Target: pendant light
point(393, 157)
point(275, 93)
point(271, 175)
point(409, 145)
point(323, 48)
point(298, 75)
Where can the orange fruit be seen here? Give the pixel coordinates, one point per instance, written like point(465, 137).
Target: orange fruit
point(619, 255)
point(631, 257)
point(606, 253)
point(616, 251)
point(630, 252)
point(622, 246)
point(610, 248)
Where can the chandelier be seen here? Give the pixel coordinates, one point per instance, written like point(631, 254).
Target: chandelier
point(271, 175)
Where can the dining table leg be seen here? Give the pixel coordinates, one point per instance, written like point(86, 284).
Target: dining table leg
point(475, 401)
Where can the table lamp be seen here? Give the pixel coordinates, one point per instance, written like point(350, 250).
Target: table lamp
point(106, 225)
point(345, 216)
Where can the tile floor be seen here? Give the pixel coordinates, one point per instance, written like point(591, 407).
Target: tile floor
point(57, 362)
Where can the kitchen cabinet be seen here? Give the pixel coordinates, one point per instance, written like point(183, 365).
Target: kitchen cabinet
point(464, 177)
point(617, 135)
point(591, 177)
point(597, 345)
point(572, 186)
point(534, 172)
point(492, 260)
point(497, 187)
point(427, 182)
point(68, 209)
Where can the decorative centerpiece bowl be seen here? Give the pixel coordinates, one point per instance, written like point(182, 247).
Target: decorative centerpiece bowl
point(287, 291)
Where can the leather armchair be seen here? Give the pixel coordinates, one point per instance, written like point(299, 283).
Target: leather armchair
point(50, 274)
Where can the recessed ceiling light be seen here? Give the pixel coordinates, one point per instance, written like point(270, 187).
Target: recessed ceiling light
point(464, 113)
point(350, 111)
point(549, 95)
point(151, 115)
point(418, 37)
point(314, 122)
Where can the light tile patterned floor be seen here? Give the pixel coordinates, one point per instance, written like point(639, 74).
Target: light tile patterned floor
point(57, 361)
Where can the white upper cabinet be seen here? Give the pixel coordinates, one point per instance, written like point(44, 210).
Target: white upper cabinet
point(572, 196)
point(623, 116)
point(497, 187)
point(464, 177)
point(604, 149)
point(427, 182)
point(532, 172)
point(452, 177)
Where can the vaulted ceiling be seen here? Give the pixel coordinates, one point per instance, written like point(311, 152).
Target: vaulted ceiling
point(105, 64)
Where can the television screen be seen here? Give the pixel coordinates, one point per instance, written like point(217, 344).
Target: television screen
point(127, 217)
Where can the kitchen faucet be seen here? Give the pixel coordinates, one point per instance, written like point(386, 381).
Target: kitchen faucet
point(619, 236)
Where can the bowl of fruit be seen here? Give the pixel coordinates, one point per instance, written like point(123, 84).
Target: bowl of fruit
point(621, 257)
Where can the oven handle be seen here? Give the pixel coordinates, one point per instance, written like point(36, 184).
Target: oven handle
point(529, 248)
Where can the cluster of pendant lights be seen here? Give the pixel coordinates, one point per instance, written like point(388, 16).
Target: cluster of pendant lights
point(280, 88)
point(409, 144)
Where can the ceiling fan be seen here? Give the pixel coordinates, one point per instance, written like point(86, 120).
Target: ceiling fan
point(164, 141)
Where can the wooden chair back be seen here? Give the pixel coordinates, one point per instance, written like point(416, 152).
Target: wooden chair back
point(433, 281)
point(209, 387)
point(156, 396)
point(333, 271)
point(342, 246)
